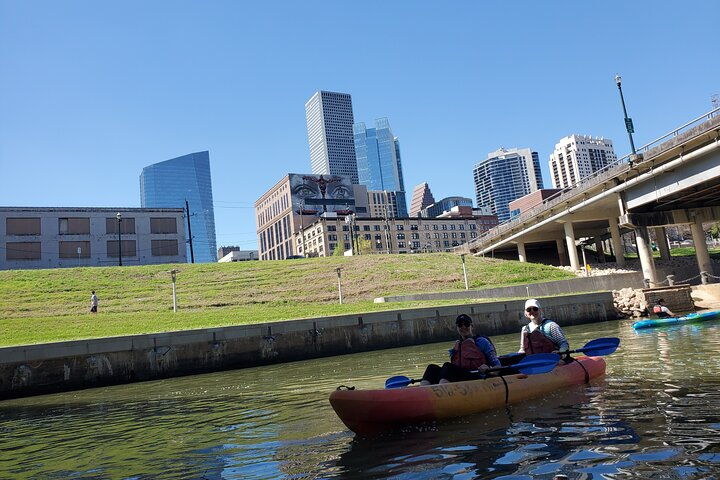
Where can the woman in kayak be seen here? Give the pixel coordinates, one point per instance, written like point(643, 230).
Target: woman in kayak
point(541, 335)
point(470, 357)
point(661, 310)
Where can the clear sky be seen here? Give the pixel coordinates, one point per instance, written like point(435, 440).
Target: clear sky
point(91, 92)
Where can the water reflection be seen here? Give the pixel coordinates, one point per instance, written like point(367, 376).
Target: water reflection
point(654, 415)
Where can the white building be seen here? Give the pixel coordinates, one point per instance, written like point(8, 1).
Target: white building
point(579, 156)
point(330, 135)
point(37, 237)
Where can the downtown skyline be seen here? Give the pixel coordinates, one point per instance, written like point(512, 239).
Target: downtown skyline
point(88, 104)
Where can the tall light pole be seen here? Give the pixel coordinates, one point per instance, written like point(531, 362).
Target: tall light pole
point(119, 220)
point(628, 120)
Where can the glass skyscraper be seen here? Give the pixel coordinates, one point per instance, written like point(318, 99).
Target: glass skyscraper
point(329, 118)
point(379, 167)
point(506, 175)
point(171, 183)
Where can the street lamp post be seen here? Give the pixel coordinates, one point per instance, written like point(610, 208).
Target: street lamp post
point(628, 121)
point(119, 223)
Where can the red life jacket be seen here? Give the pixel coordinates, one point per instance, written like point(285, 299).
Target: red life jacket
point(467, 355)
point(657, 309)
point(537, 342)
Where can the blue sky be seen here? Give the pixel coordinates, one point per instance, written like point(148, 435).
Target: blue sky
point(92, 92)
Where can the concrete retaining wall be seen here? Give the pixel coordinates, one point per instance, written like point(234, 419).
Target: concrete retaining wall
point(558, 287)
point(39, 369)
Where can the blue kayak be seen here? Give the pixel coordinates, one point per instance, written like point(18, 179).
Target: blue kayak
point(689, 318)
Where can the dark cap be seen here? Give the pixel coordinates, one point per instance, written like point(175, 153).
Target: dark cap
point(661, 301)
point(462, 318)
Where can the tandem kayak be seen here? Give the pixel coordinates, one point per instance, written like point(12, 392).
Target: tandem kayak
point(373, 411)
point(690, 318)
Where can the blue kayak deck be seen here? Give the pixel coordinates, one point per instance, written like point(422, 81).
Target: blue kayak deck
point(689, 318)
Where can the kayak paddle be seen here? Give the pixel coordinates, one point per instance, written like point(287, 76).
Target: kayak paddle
point(530, 365)
point(598, 347)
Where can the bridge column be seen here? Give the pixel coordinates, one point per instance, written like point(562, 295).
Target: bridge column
point(571, 247)
point(701, 250)
point(645, 254)
point(616, 242)
point(562, 255)
point(599, 249)
point(661, 238)
point(521, 251)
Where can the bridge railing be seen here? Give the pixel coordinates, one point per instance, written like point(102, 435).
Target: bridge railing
point(609, 171)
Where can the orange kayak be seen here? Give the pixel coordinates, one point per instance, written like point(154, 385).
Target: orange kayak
point(373, 411)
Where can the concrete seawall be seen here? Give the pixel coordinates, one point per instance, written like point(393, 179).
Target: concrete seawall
point(39, 369)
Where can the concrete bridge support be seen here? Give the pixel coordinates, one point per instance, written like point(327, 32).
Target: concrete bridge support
point(661, 238)
point(599, 249)
point(642, 240)
point(701, 250)
point(562, 254)
point(618, 250)
point(571, 247)
point(521, 252)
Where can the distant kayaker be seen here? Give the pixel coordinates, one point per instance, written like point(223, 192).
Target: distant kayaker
point(661, 310)
point(470, 357)
point(541, 335)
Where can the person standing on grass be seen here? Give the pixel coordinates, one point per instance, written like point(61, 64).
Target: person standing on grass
point(93, 302)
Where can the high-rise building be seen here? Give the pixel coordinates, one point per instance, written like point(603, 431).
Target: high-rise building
point(330, 134)
point(422, 198)
point(172, 183)
point(378, 161)
point(507, 174)
point(579, 156)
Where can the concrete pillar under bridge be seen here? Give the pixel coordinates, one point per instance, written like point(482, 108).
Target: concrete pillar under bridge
point(521, 252)
point(661, 239)
point(562, 254)
point(599, 249)
point(642, 240)
point(617, 247)
point(701, 250)
point(571, 247)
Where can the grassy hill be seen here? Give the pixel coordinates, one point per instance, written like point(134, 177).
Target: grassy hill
point(53, 305)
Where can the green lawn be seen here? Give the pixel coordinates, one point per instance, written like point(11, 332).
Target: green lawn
point(39, 306)
point(680, 252)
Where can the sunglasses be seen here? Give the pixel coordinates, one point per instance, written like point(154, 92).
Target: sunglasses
point(532, 309)
point(463, 324)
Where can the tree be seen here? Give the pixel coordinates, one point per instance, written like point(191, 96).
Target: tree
point(338, 252)
point(364, 246)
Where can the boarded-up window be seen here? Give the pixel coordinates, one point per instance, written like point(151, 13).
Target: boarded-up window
point(22, 251)
point(22, 226)
point(71, 249)
point(164, 248)
point(128, 248)
point(127, 225)
point(163, 225)
point(74, 226)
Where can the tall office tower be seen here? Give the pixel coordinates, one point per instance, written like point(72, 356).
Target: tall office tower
point(170, 184)
point(330, 134)
point(578, 156)
point(507, 174)
point(422, 198)
point(378, 161)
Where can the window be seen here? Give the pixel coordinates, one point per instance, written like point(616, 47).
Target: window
point(345, 228)
point(413, 227)
point(71, 249)
point(332, 228)
point(400, 227)
point(22, 251)
point(366, 228)
point(444, 226)
point(162, 248)
point(445, 235)
point(127, 225)
point(163, 225)
point(401, 236)
point(401, 244)
point(128, 248)
point(368, 236)
point(376, 228)
point(415, 236)
point(22, 226)
point(435, 227)
point(74, 226)
point(332, 237)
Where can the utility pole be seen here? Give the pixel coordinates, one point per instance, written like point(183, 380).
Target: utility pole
point(187, 212)
point(628, 121)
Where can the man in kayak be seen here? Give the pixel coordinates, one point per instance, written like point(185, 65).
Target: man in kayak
point(541, 335)
point(661, 310)
point(470, 357)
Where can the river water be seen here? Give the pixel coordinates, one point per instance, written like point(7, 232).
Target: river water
point(655, 415)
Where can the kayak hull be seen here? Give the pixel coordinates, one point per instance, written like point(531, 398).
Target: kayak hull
point(690, 318)
point(374, 411)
